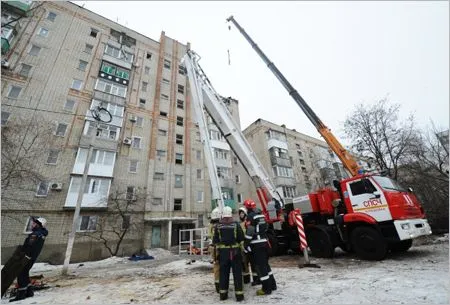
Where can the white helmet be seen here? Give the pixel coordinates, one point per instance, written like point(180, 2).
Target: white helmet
point(227, 212)
point(42, 221)
point(243, 209)
point(215, 214)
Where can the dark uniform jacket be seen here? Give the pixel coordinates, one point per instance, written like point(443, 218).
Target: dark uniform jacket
point(34, 242)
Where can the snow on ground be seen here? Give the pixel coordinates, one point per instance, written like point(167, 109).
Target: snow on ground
point(420, 275)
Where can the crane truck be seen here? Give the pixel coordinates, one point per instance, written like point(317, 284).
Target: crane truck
point(368, 213)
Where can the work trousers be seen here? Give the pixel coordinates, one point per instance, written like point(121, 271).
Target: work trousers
point(249, 269)
point(230, 258)
point(216, 265)
point(261, 259)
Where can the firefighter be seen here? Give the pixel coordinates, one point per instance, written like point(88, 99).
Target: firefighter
point(215, 216)
point(256, 244)
point(31, 247)
point(228, 238)
point(247, 262)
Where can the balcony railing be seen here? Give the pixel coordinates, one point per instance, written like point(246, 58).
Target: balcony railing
point(280, 161)
point(99, 95)
point(18, 7)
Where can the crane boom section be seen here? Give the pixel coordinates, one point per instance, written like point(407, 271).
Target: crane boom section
point(218, 111)
point(346, 159)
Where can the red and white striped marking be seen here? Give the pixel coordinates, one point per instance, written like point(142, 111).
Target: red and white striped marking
point(301, 231)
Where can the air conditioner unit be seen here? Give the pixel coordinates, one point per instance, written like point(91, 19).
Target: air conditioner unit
point(56, 186)
point(127, 141)
point(133, 119)
point(5, 63)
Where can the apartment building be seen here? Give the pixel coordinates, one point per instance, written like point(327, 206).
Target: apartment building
point(296, 163)
point(120, 133)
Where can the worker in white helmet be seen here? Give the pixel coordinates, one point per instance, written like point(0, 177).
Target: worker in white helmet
point(215, 217)
point(31, 248)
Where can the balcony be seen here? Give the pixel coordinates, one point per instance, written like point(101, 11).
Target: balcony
point(280, 161)
point(116, 120)
point(19, 7)
point(220, 145)
point(284, 181)
point(115, 99)
point(100, 143)
point(276, 143)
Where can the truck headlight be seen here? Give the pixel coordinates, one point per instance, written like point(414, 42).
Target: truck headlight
point(405, 226)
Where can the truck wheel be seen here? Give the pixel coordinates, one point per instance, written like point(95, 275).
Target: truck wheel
point(401, 246)
point(368, 243)
point(273, 240)
point(320, 243)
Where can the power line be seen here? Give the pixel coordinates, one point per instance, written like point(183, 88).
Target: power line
point(44, 110)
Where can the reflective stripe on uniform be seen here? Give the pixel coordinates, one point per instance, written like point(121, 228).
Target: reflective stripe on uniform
point(223, 291)
point(263, 278)
point(248, 237)
point(230, 246)
point(270, 273)
point(239, 292)
point(258, 241)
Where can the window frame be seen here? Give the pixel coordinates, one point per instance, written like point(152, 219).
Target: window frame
point(53, 16)
point(75, 81)
point(10, 90)
point(135, 167)
point(88, 226)
point(39, 188)
point(21, 72)
point(57, 128)
point(49, 156)
point(5, 121)
point(42, 31)
point(34, 47)
point(133, 138)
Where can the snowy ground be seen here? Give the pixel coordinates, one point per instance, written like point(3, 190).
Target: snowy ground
point(419, 276)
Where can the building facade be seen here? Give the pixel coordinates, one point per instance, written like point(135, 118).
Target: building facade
point(296, 163)
point(122, 138)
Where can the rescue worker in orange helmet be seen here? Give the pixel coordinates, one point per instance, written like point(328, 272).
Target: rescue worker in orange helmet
point(247, 262)
point(228, 238)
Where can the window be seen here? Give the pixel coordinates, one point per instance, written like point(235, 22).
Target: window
point(221, 154)
point(363, 186)
point(77, 84)
point(181, 89)
point(200, 221)
point(180, 104)
point(34, 51)
point(69, 105)
point(149, 56)
point(25, 70)
point(223, 172)
point(199, 196)
point(125, 74)
point(82, 65)
point(178, 158)
point(182, 70)
point(5, 117)
point(142, 103)
point(303, 169)
point(281, 171)
point(125, 222)
point(162, 132)
point(302, 162)
point(161, 153)
point(102, 157)
point(164, 96)
point(139, 121)
point(114, 109)
point(144, 86)
point(42, 189)
point(297, 146)
point(239, 198)
point(88, 48)
point(93, 33)
point(163, 114)
point(158, 176)
point(111, 88)
point(14, 91)
point(177, 204)
point(52, 157)
point(136, 142)
point(165, 81)
point(87, 223)
point(178, 181)
point(103, 131)
point(289, 191)
point(147, 70)
point(235, 160)
point(51, 16)
point(300, 154)
point(157, 201)
point(197, 136)
point(133, 166)
point(199, 174)
point(180, 121)
point(179, 139)
point(61, 130)
point(131, 193)
point(43, 32)
point(238, 178)
point(118, 53)
point(166, 63)
point(198, 154)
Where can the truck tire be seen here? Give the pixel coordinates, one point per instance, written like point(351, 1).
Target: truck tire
point(273, 248)
point(368, 243)
point(320, 243)
point(401, 246)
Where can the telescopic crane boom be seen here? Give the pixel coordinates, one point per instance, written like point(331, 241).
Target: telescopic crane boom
point(346, 159)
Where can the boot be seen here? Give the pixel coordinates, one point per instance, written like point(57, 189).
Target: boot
point(246, 278)
point(21, 294)
point(273, 282)
point(262, 292)
point(239, 297)
point(223, 296)
point(30, 292)
point(217, 287)
point(256, 282)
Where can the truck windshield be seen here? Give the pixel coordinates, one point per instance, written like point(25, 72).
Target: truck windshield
point(388, 183)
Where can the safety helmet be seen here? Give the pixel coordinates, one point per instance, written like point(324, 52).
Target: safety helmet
point(249, 204)
point(41, 221)
point(227, 212)
point(243, 209)
point(215, 214)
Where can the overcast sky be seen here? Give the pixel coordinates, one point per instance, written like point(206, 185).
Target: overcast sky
point(336, 54)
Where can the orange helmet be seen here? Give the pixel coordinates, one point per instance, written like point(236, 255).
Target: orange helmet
point(249, 204)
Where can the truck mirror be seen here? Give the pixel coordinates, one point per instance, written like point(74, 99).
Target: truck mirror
point(377, 194)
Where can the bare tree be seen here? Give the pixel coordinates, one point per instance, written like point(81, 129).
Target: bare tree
point(124, 216)
point(376, 132)
point(23, 143)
